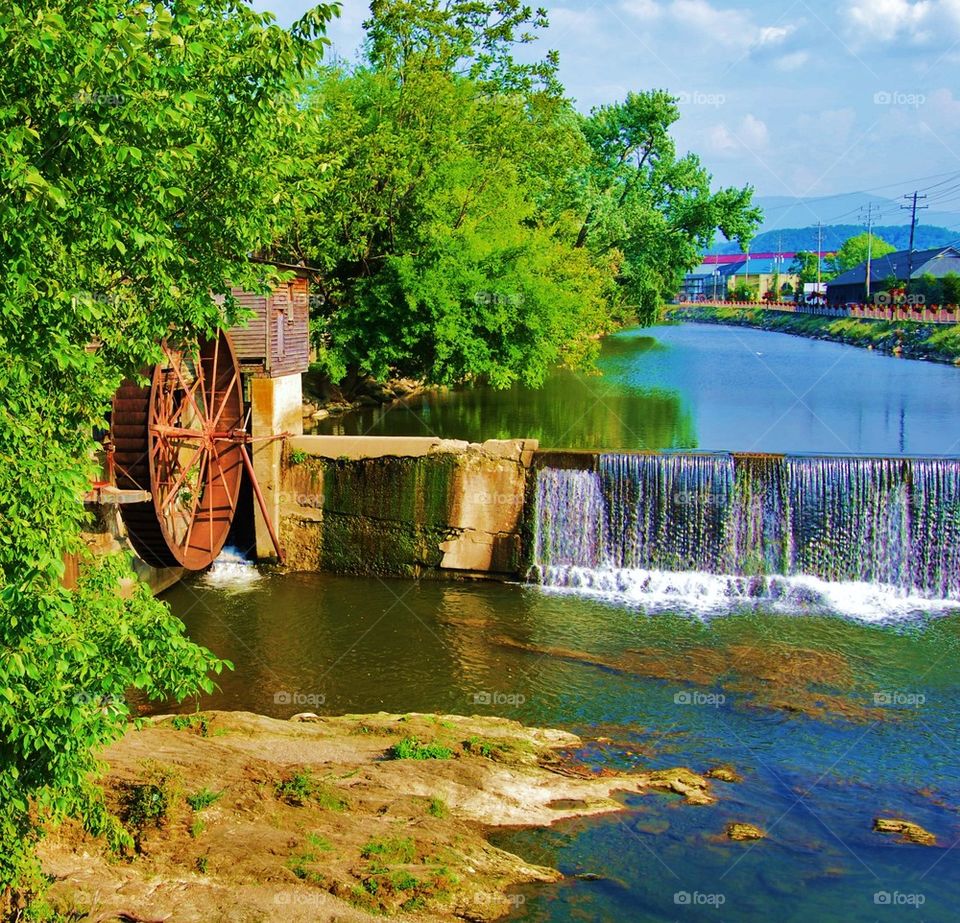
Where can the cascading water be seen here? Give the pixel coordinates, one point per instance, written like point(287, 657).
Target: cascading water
point(232, 572)
point(866, 535)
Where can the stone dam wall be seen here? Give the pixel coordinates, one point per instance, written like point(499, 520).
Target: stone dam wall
point(404, 507)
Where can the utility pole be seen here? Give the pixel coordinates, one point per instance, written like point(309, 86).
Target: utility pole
point(913, 208)
point(819, 253)
point(870, 209)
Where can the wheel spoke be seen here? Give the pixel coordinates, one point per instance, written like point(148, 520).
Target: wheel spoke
point(168, 499)
point(212, 401)
point(193, 515)
point(183, 384)
point(215, 455)
point(225, 401)
point(175, 416)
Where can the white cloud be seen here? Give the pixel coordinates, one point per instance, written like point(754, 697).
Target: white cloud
point(919, 22)
point(733, 27)
point(772, 35)
point(642, 9)
point(792, 61)
point(753, 132)
point(750, 133)
point(721, 141)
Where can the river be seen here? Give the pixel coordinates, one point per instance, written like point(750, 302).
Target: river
point(699, 386)
point(832, 720)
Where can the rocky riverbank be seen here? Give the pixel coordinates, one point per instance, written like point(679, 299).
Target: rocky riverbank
point(930, 342)
point(241, 817)
point(323, 399)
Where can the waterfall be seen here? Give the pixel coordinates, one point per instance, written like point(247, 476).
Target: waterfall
point(720, 527)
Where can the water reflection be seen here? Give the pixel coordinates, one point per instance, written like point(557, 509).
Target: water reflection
point(570, 411)
point(709, 387)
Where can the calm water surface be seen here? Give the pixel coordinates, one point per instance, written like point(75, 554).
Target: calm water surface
point(832, 722)
point(708, 387)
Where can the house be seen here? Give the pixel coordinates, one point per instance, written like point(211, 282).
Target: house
point(850, 287)
point(717, 275)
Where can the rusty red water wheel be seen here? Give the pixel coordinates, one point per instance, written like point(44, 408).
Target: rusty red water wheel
point(180, 439)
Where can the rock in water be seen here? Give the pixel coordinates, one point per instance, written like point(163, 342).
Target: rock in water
point(695, 788)
point(908, 831)
point(737, 831)
point(724, 774)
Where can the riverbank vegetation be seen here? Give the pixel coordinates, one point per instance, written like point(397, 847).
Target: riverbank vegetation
point(935, 342)
point(144, 153)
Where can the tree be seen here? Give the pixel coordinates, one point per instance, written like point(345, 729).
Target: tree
point(647, 211)
point(855, 249)
point(442, 243)
point(479, 226)
point(143, 154)
point(950, 287)
point(805, 265)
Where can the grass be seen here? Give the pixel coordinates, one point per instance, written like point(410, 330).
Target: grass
point(398, 851)
point(388, 888)
point(197, 723)
point(296, 789)
point(197, 828)
point(148, 803)
point(410, 748)
point(477, 745)
point(298, 864)
point(319, 842)
point(437, 808)
point(301, 787)
point(298, 458)
point(202, 799)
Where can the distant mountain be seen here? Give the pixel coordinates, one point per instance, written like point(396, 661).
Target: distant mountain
point(790, 240)
point(789, 212)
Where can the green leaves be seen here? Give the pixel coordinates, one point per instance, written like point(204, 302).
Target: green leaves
point(647, 208)
point(142, 153)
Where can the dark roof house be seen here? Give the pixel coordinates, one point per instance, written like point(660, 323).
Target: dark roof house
point(850, 286)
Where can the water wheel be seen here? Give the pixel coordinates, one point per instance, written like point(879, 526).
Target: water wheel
point(181, 438)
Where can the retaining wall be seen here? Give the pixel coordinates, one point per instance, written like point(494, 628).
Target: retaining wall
point(404, 506)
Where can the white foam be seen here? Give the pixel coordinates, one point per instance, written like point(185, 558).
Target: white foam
point(710, 594)
point(231, 572)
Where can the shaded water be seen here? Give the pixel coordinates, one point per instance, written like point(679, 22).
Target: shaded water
point(708, 387)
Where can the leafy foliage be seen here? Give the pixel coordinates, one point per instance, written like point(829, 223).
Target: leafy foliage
point(468, 222)
point(143, 150)
point(855, 249)
point(410, 748)
point(809, 267)
point(649, 211)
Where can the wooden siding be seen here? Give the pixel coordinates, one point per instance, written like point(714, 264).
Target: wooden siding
point(277, 341)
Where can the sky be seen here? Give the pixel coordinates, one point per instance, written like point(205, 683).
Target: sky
point(795, 97)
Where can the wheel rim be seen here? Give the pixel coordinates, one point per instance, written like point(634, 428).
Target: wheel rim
point(184, 426)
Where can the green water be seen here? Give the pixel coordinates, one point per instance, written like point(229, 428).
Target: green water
point(708, 387)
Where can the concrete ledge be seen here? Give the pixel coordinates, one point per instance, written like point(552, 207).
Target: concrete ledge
point(358, 448)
